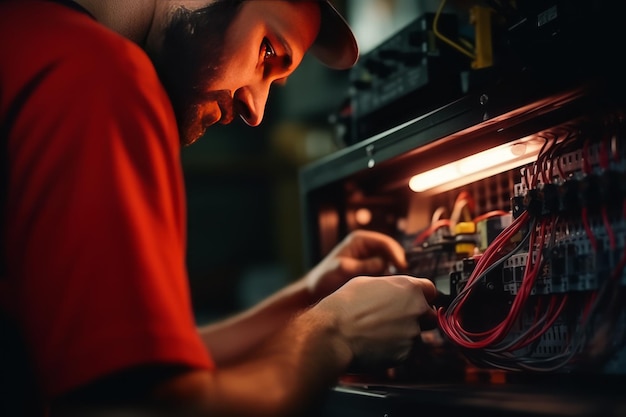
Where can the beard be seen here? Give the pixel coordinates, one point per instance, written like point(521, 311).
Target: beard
point(189, 60)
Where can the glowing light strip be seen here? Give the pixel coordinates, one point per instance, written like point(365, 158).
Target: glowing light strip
point(503, 157)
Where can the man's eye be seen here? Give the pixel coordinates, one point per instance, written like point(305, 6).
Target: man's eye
point(267, 51)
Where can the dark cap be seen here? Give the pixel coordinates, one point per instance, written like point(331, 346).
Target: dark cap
point(335, 45)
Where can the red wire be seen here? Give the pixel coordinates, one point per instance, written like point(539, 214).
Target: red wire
point(604, 155)
point(452, 325)
point(502, 329)
point(549, 170)
point(430, 230)
point(525, 179)
point(464, 195)
point(609, 229)
point(493, 251)
point(540, 163)
point(451, 321)
point(559, 166)
point(590, 236)
point(554, 315)
point(544, 170)
point(489, 214)
point(533, 177)
point(528, 281)
point(588, 304)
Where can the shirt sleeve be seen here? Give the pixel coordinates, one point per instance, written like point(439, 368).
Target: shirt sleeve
point(97, 236)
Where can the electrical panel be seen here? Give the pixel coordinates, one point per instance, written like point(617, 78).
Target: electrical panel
point(386, 80)
point(511, 198)
point(531, 257)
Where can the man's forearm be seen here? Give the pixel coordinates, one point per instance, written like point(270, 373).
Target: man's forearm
point(288, 373)
point(234, 337)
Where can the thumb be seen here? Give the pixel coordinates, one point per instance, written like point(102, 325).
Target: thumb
point(428, 319)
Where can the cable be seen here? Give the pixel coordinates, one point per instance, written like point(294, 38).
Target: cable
point(425, 234)
point(490, 214)
point(563, 292)
point(445, 39)
point(585, 219)
point(463, 207)
point(450, 322)
point(438, 214)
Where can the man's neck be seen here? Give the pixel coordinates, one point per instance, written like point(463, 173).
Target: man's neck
point(130, 18)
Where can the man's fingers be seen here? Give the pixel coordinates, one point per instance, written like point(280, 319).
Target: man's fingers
point(371, 266)
point(428, 288)
point(377, 243)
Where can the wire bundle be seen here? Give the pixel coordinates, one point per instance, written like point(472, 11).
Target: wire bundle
point(581, 323)
point(500, 346)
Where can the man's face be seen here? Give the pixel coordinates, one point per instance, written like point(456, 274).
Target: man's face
point(219, 61)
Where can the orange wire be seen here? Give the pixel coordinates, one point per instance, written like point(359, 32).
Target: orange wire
point(490, 214)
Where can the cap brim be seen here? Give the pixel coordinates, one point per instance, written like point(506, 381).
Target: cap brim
point(335, 45)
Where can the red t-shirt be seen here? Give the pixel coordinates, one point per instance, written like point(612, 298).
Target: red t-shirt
point(94, 240)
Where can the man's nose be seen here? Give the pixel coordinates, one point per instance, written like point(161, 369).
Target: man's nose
point(250, 103)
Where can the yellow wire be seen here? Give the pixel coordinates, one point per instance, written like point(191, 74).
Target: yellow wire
point(466, 43)
point(443, 38)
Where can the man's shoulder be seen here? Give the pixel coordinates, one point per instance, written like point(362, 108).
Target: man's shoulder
point(56, 33)
point(69, 48)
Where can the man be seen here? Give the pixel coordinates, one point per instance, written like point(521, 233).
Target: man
point(95, 99)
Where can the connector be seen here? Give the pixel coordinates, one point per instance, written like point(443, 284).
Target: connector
point(568, 196)
point(534, 203)
point(550, 199)
point(589, 192)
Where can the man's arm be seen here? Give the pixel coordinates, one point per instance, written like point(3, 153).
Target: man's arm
point(234, 337)
point(285, 376)
point(360, 253)
point(370, 321)
point(282, 377)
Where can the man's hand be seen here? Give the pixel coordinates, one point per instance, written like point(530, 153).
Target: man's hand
point(378, 318)
point(360, 253)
